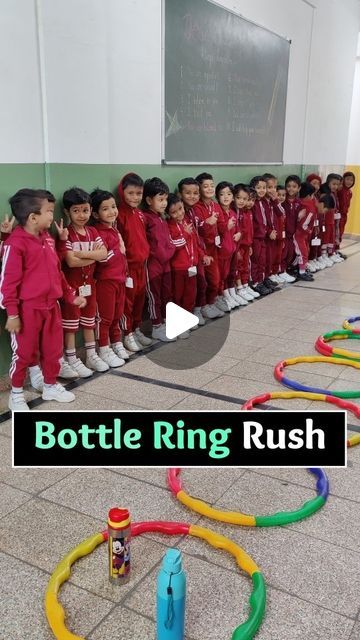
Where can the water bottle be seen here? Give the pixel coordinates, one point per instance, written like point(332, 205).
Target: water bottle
point(119, 545)
point(171, 589)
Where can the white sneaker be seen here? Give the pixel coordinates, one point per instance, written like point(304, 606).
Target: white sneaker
point(80, 369)
point(278, 279)
point(336, 258)
point(234, 296)
point(319, 265)
point(211, 311)
point(130, 343)
point(141, 339)
point(255, 294)
point(57, 392)
point(159, 333)
point(244, 296)
point(184, 335)
point(120, 352)
point(109, 356)
point(17, 402)
point(93, 361)
point(230, 300)
point(221, 303)
point(275, 280)
point(286, 277)
point(249, 292)
point(36, 378)
point(198, 314)
point(66, 371)
point(311, 267)
point(328, 262)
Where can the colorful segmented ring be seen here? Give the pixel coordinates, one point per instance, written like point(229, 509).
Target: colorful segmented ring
point(349, 321)
point(56, 615)
point(247, 520)
point(289, 395)
point(341, 334)
point(280, 367)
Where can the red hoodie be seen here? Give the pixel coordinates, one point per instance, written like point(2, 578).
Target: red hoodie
point(344, 195)
point(161, 246)
point(185, 244)
point(31, 272)
point(131, 224)
point(113, 267)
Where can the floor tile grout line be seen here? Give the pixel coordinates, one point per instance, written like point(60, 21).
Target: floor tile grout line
point(22, 504)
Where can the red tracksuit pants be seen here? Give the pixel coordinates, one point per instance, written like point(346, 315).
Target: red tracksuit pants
point(110, 302)
point(183, 289)
point(134, 299)
point(288, 253)
point(200, 286)
point(258, 260)
point(328, 238)
point(41, 333)
point(212, 280)
point(224, 270)
point(244, 263)
point(342, 225)
point(276, 256)
point(270, 250)
point(158, 290)
point(233, 272)
point(301, 244)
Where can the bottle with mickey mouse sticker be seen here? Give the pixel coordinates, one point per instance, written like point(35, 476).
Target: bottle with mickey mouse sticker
point(119, 531)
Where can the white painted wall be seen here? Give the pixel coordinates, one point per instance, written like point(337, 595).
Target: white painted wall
point(353, 150)
point(102, 68)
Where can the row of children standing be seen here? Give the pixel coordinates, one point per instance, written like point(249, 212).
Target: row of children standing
point(183, 247)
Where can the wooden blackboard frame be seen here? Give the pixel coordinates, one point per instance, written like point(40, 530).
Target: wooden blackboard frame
point(164, 160)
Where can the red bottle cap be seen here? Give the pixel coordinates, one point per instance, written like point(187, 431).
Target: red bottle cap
point(119, 517)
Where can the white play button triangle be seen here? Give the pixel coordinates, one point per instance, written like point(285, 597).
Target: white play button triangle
point(178, 320)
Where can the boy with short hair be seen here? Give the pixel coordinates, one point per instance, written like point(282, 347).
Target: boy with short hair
point(131, 224)
point(30, 287)
point(208, 213)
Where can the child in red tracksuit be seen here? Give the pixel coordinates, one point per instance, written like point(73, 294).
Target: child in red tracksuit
point(314, 263)
point(131, 224)
point(244, 201)
point(190, 194)
point(185, 259)
point(258, 257)
point(110, 275)
point(304, 228)
point(158, 275)
point(207, 211)
point(30, 287)
point(230, 235)
point(345, 195)
point(330, 239)
point(79, 247)
point(292, 207)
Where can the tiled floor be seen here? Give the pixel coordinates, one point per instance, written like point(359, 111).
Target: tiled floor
point(312, 568)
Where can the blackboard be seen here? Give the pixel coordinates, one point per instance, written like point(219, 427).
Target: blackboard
point(225, 84)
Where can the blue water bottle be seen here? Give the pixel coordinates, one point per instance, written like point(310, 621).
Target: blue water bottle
point(171, 589)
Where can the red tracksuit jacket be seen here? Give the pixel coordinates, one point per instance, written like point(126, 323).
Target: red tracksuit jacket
point(207, 231)
point(191, 218)
point(185, 244)
point(113, 267)
point(161, 246)
point(228, 244)
point(245, 218)
point(279, 219)
point(31, 272)
point(306, 224)
point(292, 208)
point(259, 219)
point(131, 224)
